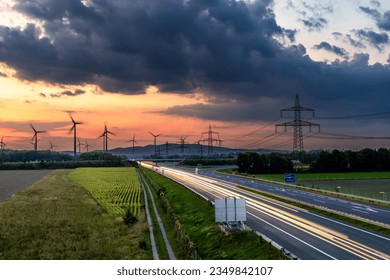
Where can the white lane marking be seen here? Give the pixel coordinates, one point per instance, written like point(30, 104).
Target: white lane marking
point(320, 201)
point(293, 236)
point(357, 210)
point(293, 225)
point(354, 228)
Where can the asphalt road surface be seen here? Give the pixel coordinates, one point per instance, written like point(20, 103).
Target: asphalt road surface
point(367, 211)
point(307, 235)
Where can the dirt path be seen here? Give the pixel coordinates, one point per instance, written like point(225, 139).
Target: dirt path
point(12, 181)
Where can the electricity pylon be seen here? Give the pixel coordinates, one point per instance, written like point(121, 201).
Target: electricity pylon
point(297, 123)
point(210, 139)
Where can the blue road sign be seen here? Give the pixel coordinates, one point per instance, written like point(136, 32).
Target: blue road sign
point(290, 178)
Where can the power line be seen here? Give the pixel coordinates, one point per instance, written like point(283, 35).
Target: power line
point(325, 135)
point(253, 132)
point(354, 116)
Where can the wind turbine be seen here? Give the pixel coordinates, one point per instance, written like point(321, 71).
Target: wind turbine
point(73, 128)
point(105, 137)
point(87, 146)
point(2, 143)
point(155, 142)
point(51, 148)
point(35, 137)
point(134, 141)
point(79, 145)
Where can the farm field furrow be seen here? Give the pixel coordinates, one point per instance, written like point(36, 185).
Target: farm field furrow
point(115, 189)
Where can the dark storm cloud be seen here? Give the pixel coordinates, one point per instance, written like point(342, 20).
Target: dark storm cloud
point(382, 20)
point(377, 40)
point(333, 49)
point(124, 46)
point(314, 24)
point(222, 111)
point(371, 12)
point(227, 50)
point(67, 93)
point(348, 39)
point(313, 16)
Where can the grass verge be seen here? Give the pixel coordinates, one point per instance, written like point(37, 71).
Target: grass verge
point(162, 251)
point(197, 219)
point(57, 219)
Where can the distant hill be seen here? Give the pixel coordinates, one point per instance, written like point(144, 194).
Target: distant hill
point(172, 150)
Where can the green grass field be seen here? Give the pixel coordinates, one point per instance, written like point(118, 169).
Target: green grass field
point(58, 219)
point(115, 189)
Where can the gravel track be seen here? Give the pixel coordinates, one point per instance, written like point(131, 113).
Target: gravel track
point(12, 181)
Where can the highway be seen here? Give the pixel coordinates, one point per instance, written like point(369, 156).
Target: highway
point(307, 235)
point(367, 211)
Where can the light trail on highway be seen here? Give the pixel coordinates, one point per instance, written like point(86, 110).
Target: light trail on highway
point(306, 235)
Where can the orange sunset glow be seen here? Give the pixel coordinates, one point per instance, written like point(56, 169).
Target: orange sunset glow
point(233, 66)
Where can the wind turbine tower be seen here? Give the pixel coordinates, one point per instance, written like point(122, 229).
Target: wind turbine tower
point(79, 144)
point(74, 128)
point(105, 138)
point(51, 148)
point(155, 141)
point(35, 137)
point(2, 143)
point(133, 141)
point(86, 146)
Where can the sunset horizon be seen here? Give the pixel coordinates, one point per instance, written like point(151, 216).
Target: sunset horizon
point(176, 67)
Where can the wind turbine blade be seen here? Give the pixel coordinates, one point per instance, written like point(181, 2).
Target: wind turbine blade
point(33, 128)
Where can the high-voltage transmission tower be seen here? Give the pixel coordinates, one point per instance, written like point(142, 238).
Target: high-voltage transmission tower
point(297, 123)
point(182, 144)
point(210, 139)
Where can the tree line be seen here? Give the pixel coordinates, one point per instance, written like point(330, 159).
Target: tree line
point(365, 160)
point(352, 161)
point(254, 163)
point(14, 160)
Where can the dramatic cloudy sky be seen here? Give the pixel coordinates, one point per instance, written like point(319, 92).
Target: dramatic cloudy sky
point(176, 66)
